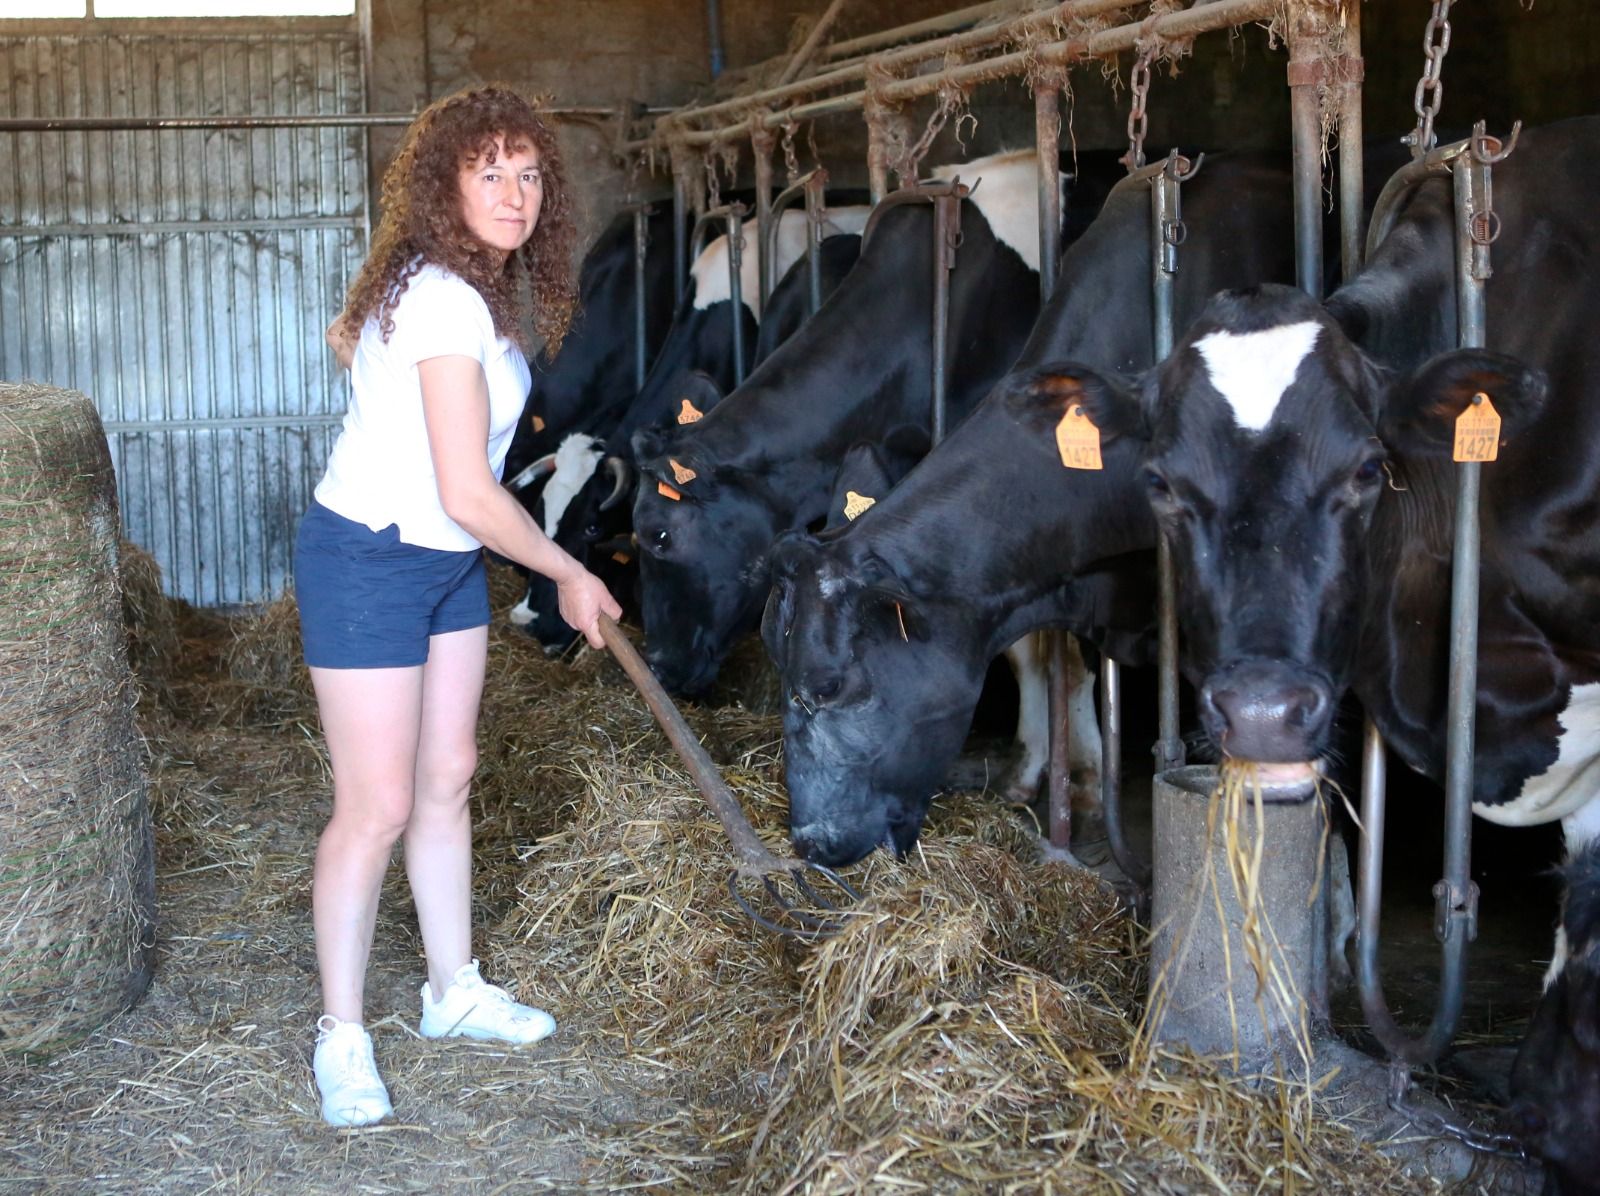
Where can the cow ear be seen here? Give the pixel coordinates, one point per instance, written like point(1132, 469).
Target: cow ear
point(650, 442)
point(864, 477)
point(1420, 409)
point(696, 395)
point(1039, 397)
point(790, 552)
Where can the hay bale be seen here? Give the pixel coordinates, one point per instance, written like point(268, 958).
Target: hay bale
point(77, 869)
point(152, 622)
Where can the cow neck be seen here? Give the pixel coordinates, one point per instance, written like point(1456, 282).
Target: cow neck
point(1012, 536)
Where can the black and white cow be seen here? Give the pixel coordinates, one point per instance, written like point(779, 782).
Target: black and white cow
point(588, 501)
point(1299, 457)
point(1556, 1079)
point(588, 385)
point(983, 540)
point(718, 491)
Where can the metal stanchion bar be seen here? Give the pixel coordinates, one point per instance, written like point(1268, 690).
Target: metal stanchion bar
point(946, 236)
point(1352, 169)
point(1186, 23)
point(1307, 27)
point(961, 43)
point(809, 186)
point(762, 142)
point(733, 214)
point(961, 18)
point(345, 120)
point(641, 245)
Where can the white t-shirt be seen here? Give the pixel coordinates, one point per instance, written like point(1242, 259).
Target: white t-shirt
point(381, 470)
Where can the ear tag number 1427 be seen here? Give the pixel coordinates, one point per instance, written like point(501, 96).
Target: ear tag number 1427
point(1477, 431)
point(1078, 440)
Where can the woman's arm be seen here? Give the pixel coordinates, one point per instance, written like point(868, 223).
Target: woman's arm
point(455, 403)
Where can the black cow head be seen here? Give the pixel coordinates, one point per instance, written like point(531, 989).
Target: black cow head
point(703, 538)
point(872, 685)
point(1272, 438)
point(1555, 1082)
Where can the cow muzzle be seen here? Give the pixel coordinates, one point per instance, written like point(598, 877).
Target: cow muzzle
point(1268, 712)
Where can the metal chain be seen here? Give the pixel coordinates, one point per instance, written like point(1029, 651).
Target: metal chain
point(1435, 45)
point(1436, 1124)
point(1138, 121)
point(791, 163)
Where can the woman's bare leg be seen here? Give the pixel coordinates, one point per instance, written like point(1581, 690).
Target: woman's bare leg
point(370, 719)
point(438, 839)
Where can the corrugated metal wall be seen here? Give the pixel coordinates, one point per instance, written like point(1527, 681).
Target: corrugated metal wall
point(182, 278)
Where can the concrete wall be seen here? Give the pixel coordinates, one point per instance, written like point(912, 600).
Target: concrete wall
point(1506, 61)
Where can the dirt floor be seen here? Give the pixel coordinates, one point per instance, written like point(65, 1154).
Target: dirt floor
point(972, 1032)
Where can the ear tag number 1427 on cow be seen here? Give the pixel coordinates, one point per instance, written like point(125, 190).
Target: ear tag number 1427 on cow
point(1477, 431)
point(1078, 440)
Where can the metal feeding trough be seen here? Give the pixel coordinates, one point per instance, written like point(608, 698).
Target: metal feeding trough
point(1238, 961)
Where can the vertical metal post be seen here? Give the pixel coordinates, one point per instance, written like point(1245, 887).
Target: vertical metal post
point(877, 160)
point(1352, 182)
point(1111, 773)
point(1455, 921)
point(762, 143)
point(681, 169)
point(1047, 137)
point(816, 214)
point(946, 235)
point(641, 244)
point(1307, 65)
point(1166, 225)
point(736, 286)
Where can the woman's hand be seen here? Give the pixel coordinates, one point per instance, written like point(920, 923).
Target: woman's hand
point(344, 349)
point(583, 598)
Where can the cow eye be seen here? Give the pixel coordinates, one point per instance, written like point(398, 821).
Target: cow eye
point(1157, 484)
point(592, 532)
point(1369, 472)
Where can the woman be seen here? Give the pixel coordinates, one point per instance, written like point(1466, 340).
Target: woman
point(476, 238)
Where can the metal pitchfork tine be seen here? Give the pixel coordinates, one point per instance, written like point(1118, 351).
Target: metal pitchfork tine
point(754, 859)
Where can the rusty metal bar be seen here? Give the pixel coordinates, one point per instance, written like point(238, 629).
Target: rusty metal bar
point(808, 185)
point(1352, 168)
point(762, 142)
point(961, 18)
point(641, 245)
point(946, 236)
point(1307, 64)
point(808, 48)
point(305, 120)
point(1223, 14)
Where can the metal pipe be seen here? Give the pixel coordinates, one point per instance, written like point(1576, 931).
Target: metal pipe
point(808, 48)
point(762, 143)
point(736, 286)
point(1133, 867)
point(1047, 139)
point(338, 120)
point(1166, 225)
point(1060, 783)
point(641, 244)
point(816, 216)
point(877, 166)
point(680, 229)
point(961, 18)
point(1352, 169)
point(714, 37)
point(946, 236)
point(1184, 23)
point(1455, 895)
point(1307, 64)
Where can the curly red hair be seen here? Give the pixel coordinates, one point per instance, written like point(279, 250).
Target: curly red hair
point(422, 220)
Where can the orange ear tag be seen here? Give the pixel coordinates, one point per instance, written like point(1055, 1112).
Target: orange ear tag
point(538, 424)
point(855, 503)
point(689, 413)
point(666, 491)
point(621, 558)
point(681, 474)
point(1477, 431)
point(1078, 440)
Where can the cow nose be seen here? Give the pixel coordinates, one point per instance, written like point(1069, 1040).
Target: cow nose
point(1267, 711)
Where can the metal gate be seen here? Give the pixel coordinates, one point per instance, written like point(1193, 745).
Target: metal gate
point(182, 277)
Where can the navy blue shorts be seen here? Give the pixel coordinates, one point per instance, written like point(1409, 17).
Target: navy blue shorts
point(369, 601)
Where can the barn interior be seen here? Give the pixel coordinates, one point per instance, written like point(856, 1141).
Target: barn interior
point(180, 278)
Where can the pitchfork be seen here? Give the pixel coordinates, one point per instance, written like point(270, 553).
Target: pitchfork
point(754, 859)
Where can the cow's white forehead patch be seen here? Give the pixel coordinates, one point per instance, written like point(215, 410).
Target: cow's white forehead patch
point(1251, 370)
point(575, 464)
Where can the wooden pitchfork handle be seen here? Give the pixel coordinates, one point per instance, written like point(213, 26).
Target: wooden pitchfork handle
point(754, 859)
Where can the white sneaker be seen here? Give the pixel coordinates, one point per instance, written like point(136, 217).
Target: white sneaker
point(472, 1009)
point(347, 1076)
